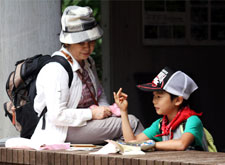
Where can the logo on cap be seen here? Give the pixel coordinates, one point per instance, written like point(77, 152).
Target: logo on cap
point(158, 80)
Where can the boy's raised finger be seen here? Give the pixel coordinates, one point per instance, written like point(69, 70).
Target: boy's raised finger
point(119, 92)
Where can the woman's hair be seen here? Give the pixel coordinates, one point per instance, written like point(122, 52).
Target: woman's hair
point(65, 45)
point(183, 104)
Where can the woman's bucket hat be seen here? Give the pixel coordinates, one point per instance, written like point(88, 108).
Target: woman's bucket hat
point(79, 25)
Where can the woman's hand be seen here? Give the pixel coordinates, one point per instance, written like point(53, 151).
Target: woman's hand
point(100, 112)
point(121, 99)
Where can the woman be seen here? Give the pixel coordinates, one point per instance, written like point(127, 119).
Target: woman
point(71, 116)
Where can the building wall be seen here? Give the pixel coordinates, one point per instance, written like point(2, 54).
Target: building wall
point(134, 63)
point(27, 27)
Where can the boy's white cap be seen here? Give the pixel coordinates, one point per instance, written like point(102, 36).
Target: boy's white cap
point(176, 83)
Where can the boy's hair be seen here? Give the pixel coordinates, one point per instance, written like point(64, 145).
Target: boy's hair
point(183, 104)
point(172, 97)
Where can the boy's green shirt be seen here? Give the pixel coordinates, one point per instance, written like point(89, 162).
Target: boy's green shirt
point(193, 125)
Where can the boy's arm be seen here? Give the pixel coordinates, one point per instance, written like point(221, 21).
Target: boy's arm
point(121, 101)
point(126, 128)
point(176, 144)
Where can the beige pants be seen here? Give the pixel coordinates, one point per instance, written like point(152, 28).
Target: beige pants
point(96, 131)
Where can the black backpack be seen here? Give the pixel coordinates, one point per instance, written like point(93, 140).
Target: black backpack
point(21, 89)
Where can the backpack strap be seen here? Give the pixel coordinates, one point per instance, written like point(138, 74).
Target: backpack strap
point(65, 64)
point(69, 70)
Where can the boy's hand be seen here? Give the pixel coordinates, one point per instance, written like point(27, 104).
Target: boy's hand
point(121, 99)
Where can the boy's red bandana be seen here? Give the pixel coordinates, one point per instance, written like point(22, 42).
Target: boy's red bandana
point(181, 116)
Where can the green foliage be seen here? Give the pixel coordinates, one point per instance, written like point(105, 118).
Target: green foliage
point(96, 7)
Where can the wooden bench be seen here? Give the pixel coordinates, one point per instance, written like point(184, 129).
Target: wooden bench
point(19, 156)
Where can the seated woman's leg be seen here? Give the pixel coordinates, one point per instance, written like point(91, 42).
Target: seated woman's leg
point(96, 131)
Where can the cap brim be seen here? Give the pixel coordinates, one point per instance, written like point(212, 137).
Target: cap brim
point(149, 87)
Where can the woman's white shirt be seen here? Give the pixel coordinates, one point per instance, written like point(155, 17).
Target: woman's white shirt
point(61, 101)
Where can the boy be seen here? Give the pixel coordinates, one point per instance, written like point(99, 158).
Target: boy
point(171, 91)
